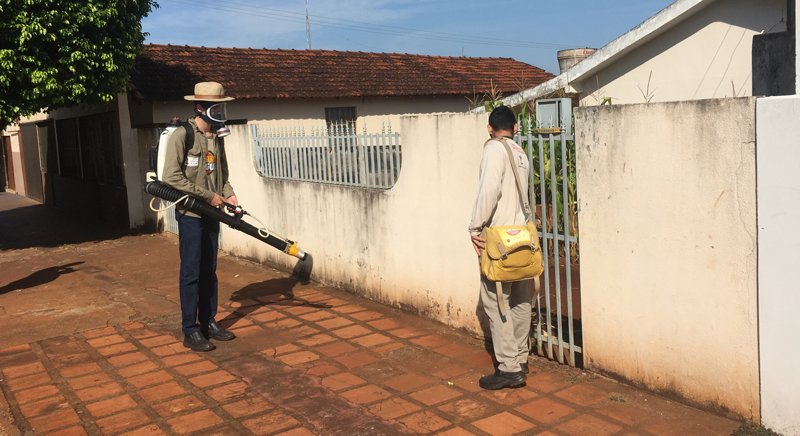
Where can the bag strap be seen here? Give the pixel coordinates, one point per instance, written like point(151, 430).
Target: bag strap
point(501, 302)
point(526, 207)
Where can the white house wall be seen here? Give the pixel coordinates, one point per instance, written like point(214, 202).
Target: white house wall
point(778, 274)
point(71, 112)
point(668, 248)
point(16, 159)
point(133, 165)
point(407, 246)
point(307, 112)
point(708, 55)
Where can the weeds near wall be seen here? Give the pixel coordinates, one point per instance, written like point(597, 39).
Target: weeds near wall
point(599, 94)
point(647, 94)
point(547, 159)
point(489, 100)
point(753, 429)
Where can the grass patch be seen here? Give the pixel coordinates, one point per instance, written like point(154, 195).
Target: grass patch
point(752, 429)
point(617, 398)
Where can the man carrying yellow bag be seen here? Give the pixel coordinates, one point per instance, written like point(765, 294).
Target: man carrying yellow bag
point(505, 239)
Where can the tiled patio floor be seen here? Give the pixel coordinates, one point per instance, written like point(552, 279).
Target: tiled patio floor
point(308, 359)
point(314, 363)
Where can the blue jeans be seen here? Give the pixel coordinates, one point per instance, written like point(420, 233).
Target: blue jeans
point(199, 238)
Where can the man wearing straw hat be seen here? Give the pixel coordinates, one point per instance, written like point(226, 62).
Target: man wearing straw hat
point(196, 164)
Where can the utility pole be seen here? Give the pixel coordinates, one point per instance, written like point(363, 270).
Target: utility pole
point(308, 29)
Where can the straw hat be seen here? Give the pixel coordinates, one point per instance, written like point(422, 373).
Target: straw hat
point(208, 91)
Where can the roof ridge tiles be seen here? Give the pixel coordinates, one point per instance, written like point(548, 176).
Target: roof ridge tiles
point(343, 52)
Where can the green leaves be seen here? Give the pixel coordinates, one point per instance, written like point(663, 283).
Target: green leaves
point(551, 163)
point(65, 52)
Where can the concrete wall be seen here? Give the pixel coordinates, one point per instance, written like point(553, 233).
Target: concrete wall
point(134, 167)
point(708, 55)
point(778, 275)
point(668, 248)
point(147, 138)
point(372, 113)
point(16, 159)
point(369, 240)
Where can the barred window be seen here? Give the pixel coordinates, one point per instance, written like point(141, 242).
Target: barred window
point(340, 115)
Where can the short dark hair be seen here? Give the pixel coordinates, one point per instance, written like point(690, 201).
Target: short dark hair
point(502, 118)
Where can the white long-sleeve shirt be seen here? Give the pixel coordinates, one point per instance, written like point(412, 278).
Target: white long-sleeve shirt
point(497, 202)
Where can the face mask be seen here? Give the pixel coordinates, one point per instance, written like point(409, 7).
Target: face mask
point(218, 112)
point(216, 115)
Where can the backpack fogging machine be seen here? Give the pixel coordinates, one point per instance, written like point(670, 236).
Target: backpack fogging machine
point(233, 218)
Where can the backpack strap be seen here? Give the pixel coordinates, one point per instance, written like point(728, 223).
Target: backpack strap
point(188, 141)
point(189, 138)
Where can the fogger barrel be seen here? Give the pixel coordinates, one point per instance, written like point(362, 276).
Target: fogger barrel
point(200, 207)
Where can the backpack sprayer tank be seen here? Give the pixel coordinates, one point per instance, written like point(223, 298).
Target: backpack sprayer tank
point(158, 154)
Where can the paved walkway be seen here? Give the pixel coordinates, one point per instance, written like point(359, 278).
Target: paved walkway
point(91, 346)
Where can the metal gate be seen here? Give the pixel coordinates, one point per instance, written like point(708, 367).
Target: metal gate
point(550, 144)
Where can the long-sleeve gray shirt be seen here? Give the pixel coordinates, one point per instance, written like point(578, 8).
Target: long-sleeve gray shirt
point(189, 171)
point(497, 202)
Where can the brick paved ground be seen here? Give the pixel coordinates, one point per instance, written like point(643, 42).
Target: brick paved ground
point(308, 360)
point(316, 363)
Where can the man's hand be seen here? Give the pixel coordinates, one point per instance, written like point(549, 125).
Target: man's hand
point(478, 243)
point(216, 201)
point(232, 200)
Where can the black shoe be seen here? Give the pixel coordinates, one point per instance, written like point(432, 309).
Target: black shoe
point(524, 367)
point(501, 379)
point(197, 342)
point(215, 331)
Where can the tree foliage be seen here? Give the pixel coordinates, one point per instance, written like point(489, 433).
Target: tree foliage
point(56, 53)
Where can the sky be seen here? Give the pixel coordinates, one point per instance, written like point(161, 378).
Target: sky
point(531, 31)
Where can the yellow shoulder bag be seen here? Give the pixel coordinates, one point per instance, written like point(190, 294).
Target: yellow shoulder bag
point(512, 253)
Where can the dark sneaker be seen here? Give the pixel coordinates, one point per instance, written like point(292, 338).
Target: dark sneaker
point(215, 331)
point(197, 342)
point(501, 379)
point(524, 367)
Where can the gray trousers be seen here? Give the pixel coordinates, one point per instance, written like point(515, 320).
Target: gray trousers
point(510, 333)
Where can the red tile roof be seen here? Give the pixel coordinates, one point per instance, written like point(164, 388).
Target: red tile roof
point(167, 72)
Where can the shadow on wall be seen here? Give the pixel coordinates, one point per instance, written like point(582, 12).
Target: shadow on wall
point(40, 277)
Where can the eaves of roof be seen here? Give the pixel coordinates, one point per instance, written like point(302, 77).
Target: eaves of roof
point(651, 28)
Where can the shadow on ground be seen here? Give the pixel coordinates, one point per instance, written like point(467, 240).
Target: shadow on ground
point(27, 224)
point(277, 292)
point(41, 277)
